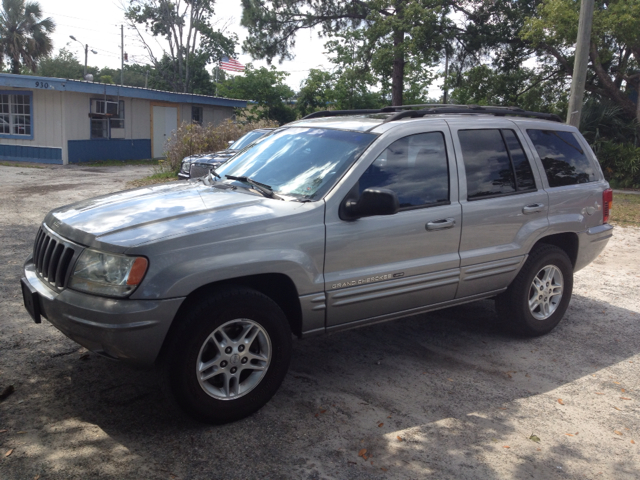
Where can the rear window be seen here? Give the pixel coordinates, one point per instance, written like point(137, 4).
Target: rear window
point(565, 161)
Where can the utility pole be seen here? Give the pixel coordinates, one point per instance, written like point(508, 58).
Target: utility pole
point(581, 59)
point(121, 54)
point(446, 76)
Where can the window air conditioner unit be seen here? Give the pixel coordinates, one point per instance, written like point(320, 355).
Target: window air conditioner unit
point(103, 107)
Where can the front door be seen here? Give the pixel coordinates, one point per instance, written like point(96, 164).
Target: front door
point(165, 122)
point(376, 267)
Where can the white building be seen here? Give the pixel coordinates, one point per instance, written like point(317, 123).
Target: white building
point(53, 120)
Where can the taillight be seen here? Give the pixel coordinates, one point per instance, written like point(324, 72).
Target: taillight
point(607, 203)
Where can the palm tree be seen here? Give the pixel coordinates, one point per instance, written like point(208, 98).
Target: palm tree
point(24, 35)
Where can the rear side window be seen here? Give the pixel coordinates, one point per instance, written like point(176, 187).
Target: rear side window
point(494, 163)
point(415, 168)
point(563, 158)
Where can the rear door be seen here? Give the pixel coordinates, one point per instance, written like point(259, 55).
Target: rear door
point(378, 266)
point(503, 203)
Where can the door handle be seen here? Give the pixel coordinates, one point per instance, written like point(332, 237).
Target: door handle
point(534, 208)
point(441, 224)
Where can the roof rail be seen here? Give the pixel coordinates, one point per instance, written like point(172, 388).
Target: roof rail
point(400, 112)
point(338, 113)
point(497, 111)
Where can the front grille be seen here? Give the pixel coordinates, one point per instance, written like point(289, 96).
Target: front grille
point(199, 170)
point(52, 257)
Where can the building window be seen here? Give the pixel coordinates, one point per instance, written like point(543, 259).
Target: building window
point(117, 121)
point(15, 114)
point(105, 116)
point(196, 115)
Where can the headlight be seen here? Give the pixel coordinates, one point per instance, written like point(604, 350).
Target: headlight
point(186, 165)
point(108, 274)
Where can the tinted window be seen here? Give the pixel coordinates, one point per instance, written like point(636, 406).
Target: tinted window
point(415, 168)
point(486, 163)
point(521, 165)
point(564, 160)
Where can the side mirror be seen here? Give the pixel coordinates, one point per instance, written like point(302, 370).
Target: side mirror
point(231, 142)
point(372, 201)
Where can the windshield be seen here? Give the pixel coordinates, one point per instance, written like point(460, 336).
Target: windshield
point(247, 139)
point(299, 161)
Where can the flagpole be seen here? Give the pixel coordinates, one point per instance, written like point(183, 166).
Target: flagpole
point(217, 69)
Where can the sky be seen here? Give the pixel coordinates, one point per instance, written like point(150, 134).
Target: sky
point(97, 23)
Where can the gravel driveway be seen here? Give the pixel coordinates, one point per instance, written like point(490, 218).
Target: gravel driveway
point(442, 395)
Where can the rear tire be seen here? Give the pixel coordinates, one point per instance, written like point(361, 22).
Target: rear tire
point(228, 356)
point(538, 297)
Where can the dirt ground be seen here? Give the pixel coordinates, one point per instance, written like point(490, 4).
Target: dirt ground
point(443, 395)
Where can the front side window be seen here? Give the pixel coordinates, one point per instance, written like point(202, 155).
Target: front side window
point(495, 163)
point(563, 158)
point(415, 168)
point(300, 162)
point(15, 114)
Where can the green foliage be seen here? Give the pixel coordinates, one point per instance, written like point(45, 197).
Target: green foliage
point(614, 140)
point(63, 65)
point(265, 87)
point(192, 139)
point(316, 92)
point(539, 91)
point(24, 34)
point(192, 41)
point(615, 46)
point(387, 44)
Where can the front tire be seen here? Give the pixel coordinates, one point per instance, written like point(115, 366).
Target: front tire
point(538, 297)
point(228, 356)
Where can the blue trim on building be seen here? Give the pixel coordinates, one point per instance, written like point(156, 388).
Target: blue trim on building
point(23, 153)
point(108, 149)
point(31, 114)
point(46, 83)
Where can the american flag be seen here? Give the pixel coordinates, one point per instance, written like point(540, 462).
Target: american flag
point(231, 64)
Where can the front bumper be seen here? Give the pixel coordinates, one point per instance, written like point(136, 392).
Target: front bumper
point(128, 330)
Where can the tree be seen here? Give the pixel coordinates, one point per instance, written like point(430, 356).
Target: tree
point(266, 88)
point(63, 65)
point(540, 90)
point(24, 35)
point(385, 36)
point(614, 70)
point(190, 36)
point(316, 92)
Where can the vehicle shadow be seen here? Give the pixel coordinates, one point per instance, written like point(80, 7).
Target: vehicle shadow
point(431, 395)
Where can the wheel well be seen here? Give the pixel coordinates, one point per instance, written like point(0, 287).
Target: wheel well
point(566, 241)
point(276, 286)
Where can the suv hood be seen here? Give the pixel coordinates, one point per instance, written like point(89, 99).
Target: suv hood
point(131, 218)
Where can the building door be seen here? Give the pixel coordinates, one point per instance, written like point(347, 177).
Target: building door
point(165, 121)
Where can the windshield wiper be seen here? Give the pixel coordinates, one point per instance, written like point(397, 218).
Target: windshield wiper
point(263, 188)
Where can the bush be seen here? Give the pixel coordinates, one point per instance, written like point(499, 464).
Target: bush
point(192, 139)
point(620, 163)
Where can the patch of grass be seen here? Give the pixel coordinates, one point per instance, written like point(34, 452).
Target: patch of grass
point(158, 177)
point(626, 210)
point(9, 164)
point(119, 163)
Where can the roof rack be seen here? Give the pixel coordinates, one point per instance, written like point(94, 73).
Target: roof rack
point(400, 112)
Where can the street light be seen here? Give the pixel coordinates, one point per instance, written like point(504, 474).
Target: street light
point(86, 53)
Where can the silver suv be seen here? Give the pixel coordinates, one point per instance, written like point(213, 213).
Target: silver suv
point(335, 221)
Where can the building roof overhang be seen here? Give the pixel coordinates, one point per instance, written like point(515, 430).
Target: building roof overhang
point(81, 86)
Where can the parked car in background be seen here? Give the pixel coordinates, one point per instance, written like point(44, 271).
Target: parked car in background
point(204, 162)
